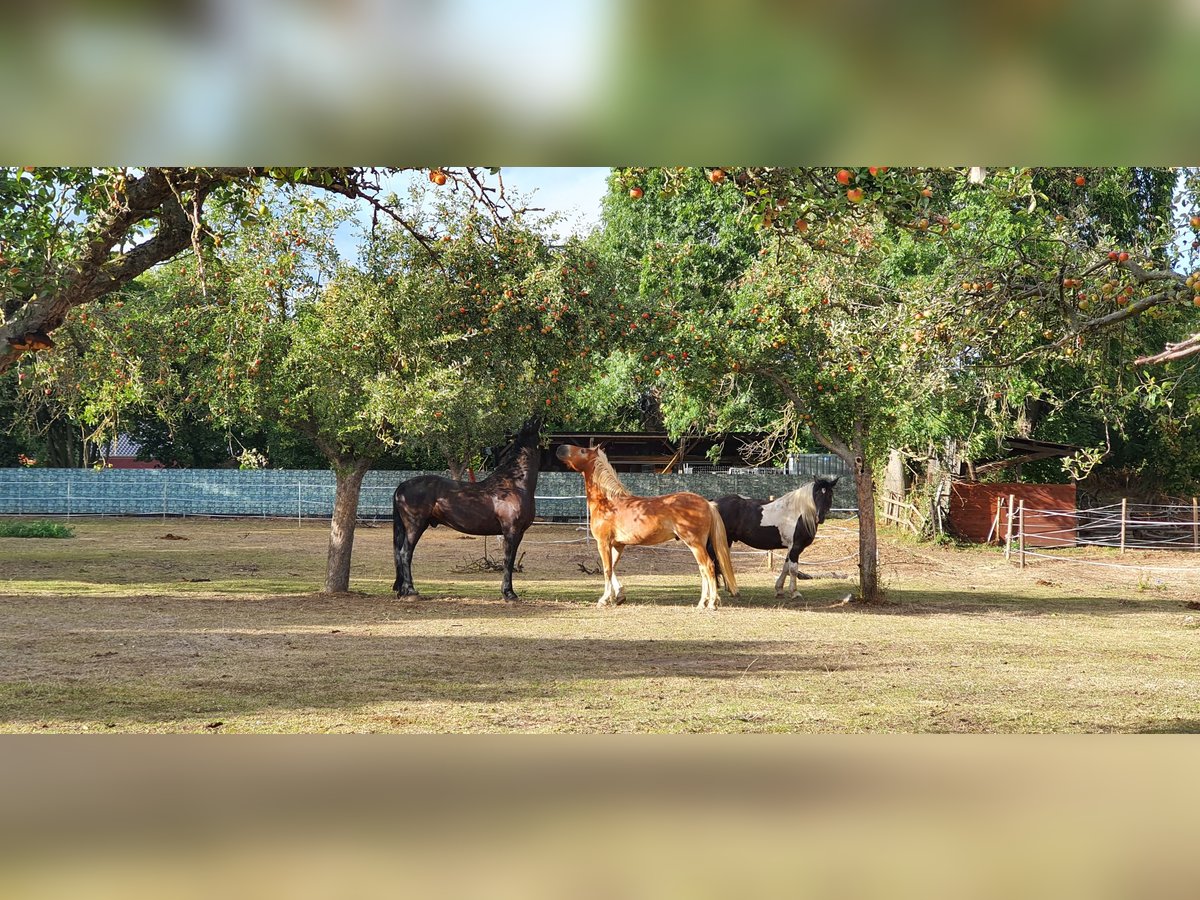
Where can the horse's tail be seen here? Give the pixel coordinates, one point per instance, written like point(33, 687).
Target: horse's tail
point(720, 544)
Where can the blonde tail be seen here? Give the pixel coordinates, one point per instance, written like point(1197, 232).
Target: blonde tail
point(720, 545)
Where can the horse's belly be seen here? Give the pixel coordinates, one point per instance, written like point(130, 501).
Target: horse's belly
point(644, 533)
point(470, 518)
point(766, 537)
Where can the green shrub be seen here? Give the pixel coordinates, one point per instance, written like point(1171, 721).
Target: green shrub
point(39, 529)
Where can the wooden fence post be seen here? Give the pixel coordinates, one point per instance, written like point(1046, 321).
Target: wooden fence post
point(1021, 534)
point(770, 553)
point(1008, 529)
point(1195, 525)
point(1124, 507)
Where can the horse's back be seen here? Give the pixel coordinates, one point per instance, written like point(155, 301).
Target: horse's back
point(422, 490)
point(652, 520)
point(742, 517)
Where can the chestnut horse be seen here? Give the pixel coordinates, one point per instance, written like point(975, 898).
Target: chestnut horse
point(619, 519)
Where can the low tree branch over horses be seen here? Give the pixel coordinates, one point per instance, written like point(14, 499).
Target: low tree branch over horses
point(619, 519)
point(789, 522)
point(502, 504)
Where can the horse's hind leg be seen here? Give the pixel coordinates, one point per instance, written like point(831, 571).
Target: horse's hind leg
point(399, 548)
point(406, 544)
point(710, 596)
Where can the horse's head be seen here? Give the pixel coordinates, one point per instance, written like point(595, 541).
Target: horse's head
point(822, 490)
point(578, 459)
point(530, 431)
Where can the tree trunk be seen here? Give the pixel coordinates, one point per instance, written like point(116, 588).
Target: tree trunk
point(341, 526)
point(868, 543)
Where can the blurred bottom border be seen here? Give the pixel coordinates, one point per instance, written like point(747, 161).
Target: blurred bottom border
point(533, 816)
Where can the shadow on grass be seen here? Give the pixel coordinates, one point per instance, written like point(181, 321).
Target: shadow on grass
point(170, 675)
point(1171, 726)
point(830, 597)
point(916, 602)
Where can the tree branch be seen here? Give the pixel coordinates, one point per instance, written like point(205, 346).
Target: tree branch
point(1181, 350)
point(835, 444)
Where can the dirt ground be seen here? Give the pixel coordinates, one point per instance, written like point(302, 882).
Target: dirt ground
point(213, 625)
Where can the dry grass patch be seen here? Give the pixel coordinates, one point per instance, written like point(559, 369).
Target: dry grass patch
point(121, 630)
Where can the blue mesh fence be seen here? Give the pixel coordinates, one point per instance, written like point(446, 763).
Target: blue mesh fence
point(290, 493)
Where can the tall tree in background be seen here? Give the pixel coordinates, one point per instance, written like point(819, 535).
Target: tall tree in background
point(69, 236)
point(875, 295)
point(449, 343)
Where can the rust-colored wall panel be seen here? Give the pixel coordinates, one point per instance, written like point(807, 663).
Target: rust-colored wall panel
point(1049, 512)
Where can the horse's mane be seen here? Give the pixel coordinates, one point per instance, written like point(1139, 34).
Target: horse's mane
point(511, 454)
point(605, 477)
point(508, 456)
point(797, 504)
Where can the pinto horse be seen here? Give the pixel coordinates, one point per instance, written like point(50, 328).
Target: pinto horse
point(500, 504)
point(791, 522)
point(619, 519)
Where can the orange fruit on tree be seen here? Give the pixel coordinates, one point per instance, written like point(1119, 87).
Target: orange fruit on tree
point(844, 176)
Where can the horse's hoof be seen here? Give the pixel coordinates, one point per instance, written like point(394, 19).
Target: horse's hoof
point(407, 595)
point(511, 597)
point(779, 595)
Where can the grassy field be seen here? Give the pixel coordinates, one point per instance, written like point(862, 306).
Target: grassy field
point(203, 625)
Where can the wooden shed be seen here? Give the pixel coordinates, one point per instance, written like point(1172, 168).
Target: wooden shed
point(1050, 518)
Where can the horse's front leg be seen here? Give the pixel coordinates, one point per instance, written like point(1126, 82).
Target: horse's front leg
point(604, 546)
point(511, 542)
point(618, 589)
point(783, 574)
point(791, 567)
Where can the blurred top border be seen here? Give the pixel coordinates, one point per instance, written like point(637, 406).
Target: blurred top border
point(592, 83)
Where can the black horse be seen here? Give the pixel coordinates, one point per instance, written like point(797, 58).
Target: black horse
point(500, 504)
point(791, 522)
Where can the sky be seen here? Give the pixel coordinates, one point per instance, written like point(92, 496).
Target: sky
point(574, 193)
